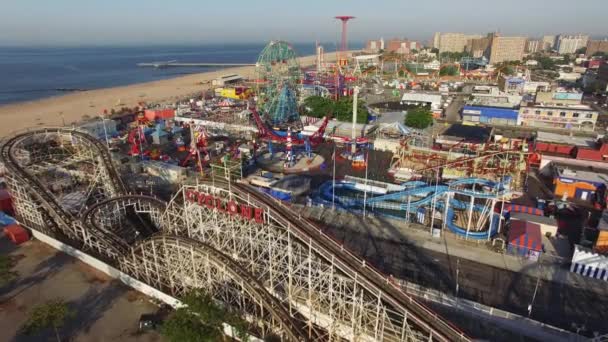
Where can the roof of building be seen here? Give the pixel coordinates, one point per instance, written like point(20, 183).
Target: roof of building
point(390, 117)
point(553, 106)
point(525, 234)
point(475, 134)
point(565, 139)
point(534, 218)
point(580, 174)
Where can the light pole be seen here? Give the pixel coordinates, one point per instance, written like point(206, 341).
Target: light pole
point(457, 275)
point(535, 289)
point(105, 131)
point(354, 129)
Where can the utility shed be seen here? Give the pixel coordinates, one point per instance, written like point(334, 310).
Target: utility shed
point(525, 240)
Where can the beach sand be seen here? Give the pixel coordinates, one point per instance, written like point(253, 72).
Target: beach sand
point(70, 108)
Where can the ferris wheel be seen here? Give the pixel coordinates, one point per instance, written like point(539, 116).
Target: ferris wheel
point(277, 66)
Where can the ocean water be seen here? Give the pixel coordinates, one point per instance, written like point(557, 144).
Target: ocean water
point(28, 73)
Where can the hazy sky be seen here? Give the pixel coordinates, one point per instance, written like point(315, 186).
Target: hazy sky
point(66, 22)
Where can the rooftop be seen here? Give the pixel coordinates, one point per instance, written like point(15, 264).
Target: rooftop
point(578, 173)
point(565, 139)
point(467, 133)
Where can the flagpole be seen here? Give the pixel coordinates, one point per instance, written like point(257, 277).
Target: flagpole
point(333, 188)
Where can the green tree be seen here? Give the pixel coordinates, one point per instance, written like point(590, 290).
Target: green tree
point(450, 70)
point(201, 319)
point(6, 273)
point(546, 63)
point(581, 51)
point(419, 117)
point(600, 54)
point(453, 56)
point(342, 109)
point(434, 50)
point(182, 325)
point(51, 314)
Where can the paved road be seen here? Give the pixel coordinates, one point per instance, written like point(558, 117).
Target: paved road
point(452, 112)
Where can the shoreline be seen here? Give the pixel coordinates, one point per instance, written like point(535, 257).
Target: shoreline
point(74, 107)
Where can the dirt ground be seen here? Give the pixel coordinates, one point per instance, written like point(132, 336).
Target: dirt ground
point(106, 309)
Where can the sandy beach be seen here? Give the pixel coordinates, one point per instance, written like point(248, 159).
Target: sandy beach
point(72, 107)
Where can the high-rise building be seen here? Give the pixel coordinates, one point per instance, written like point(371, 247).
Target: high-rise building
point(533, 46)
point(452, 42)
point(548, 43)
point(594, 46)
point(478, 47)
point(373, 45)
point(504, 49)
point(402, 45)
point(436, 37)
point(569, 44)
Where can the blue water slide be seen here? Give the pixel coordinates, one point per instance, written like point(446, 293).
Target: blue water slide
point(421, 194)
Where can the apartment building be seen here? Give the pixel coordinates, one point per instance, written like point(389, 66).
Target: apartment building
point(374, 45)
point(478, 47)
point(567, 44)
point(452, 42)
point(534, 45)
point(594, 46)
point(504, 49)
point(548, 43)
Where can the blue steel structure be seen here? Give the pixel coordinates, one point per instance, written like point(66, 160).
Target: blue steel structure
point(418, 194)
point(283, 110)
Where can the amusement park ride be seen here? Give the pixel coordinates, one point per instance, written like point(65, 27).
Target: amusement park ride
point(279, 82)
point(198, 144)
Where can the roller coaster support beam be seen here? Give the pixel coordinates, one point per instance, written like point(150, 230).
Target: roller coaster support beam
point(470, 216)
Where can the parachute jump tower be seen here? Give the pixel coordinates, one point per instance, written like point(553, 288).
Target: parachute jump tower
point(344, 42)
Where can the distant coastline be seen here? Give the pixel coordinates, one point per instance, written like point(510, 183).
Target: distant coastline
point(30, 73)
point(69, 108)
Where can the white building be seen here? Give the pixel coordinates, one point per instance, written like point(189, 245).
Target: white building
point(434, 65)
point(531, 62)
point(569, 44)
point(434, 100)
point(569, 76)
point(548, 43)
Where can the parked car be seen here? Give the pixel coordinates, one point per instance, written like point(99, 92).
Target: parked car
point(153, 321)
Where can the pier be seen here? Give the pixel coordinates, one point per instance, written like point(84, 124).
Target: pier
point(199, 65)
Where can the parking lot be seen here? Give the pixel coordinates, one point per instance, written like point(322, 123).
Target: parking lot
point(106, 310)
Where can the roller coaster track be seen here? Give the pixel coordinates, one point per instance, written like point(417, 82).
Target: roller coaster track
point(293, 329)
point(89, 219)
point(425, 319)
point(61, 217)
point(66, 221)
point(417, 315)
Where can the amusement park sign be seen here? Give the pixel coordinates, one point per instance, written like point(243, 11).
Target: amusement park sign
point(229, 207)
